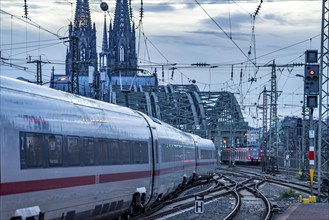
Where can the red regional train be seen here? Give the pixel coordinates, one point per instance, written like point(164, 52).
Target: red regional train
point(244, 155)
point(66, 156)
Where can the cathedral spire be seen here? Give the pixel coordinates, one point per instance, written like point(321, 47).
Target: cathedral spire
point(82, 15)
point(122, 17)
point(104, 43)
point(85, 32)
point(122, 41)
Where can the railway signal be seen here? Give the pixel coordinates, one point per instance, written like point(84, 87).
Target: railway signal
point(311, 91)
point(311, 82)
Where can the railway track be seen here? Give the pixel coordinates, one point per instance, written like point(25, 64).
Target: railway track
point(223, 188)
point(232, 194)
point(247, 194)
point(284, 179)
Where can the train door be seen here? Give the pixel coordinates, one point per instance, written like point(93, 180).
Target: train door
point(155, 151)
point(154, 159)
point(197, 156)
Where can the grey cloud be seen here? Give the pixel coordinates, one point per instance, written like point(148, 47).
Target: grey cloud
point(277, 18)
point(161, 7)
point(234, 36)
point(235, 21)
point(181, 40)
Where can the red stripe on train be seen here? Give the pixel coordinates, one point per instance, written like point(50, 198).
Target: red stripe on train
point(45, 184)
point(106, 178)
point(48, 184)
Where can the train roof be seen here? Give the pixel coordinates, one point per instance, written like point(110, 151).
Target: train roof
point(202, 141)
point(29, 88)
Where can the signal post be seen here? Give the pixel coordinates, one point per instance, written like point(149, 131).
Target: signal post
point(311, 91)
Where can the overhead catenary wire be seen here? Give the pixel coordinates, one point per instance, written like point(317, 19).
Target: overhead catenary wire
point(169, 63)
point(28, 21)
point(237, 46)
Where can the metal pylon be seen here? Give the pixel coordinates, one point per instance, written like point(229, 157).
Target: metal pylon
point(273, 141)
point(323, 129)
point(264, 141)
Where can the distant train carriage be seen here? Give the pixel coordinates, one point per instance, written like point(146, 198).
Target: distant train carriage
point(206, 155)
point(245, 155)
point(255, 155)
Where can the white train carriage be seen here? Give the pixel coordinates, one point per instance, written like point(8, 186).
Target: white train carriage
point(73, 156)
point(175, 160)
point(206, 155)
point(65, 153)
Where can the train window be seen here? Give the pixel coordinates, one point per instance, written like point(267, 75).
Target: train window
point(136, 154)
point(254, 152)
point(189, 153)
point(144, 151)
point(140, 153)
point(171, 152)
point(32, 151)
point(125, 149)
point(55, 150)
point(207, 154)
point(102, 152)
point(179, 152)
point(157, 148)
point(22, 149)
point(73, 152)
point(114, 152)
point(202, 154)
point(88, 151)
point(165, 152)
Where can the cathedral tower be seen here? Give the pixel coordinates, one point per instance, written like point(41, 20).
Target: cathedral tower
point(85, 31)
point(119, 58)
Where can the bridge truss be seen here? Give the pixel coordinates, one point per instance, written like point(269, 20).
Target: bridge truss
point(212, 115)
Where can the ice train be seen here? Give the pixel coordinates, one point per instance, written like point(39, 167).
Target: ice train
point(69, 157)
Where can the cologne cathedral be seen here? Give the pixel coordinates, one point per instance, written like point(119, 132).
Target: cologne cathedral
point(114, 76)
point(117, 64)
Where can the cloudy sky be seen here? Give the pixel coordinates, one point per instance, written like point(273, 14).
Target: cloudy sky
point(237, 43)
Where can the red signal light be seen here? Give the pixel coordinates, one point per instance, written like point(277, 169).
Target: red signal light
point(312, 72)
